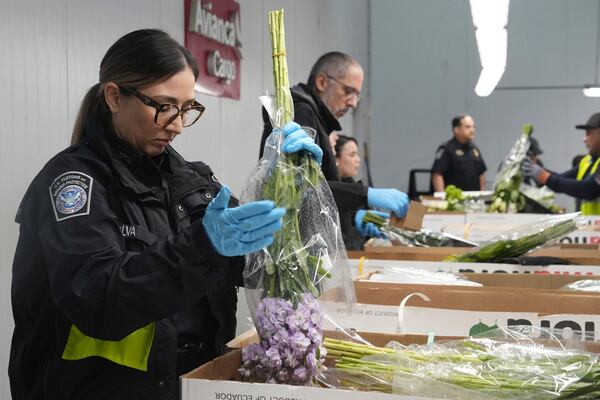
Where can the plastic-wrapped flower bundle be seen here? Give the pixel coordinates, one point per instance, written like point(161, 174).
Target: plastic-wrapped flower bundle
point(507, 196)
point(283, 280)
point(517, 242)
point(508, 363)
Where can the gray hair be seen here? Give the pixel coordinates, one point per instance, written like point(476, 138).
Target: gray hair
point(333, 63)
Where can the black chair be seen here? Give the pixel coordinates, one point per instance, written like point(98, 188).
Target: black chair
point(413, 192)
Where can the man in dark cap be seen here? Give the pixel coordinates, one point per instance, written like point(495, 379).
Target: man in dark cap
point(580, 181)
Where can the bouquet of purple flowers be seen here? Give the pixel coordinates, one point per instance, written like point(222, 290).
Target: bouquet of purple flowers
point(283, 281)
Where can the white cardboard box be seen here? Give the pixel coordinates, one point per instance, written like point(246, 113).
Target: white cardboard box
point(358, 266)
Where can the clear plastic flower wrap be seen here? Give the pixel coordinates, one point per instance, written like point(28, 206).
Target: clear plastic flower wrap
point(521, 240)
point(506, 363)
point(309, 247)
point(507, 197)
point(307, 256)
point(416, 276)
point(424, 238)
point(420, 238)
point(585, 285)
point(543, 196)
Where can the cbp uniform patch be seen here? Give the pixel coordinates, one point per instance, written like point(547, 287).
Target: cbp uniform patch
point(70, 194)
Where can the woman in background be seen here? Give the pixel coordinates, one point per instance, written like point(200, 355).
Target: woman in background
point(354, 231)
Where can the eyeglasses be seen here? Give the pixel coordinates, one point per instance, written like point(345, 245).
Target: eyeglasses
point(349, 91)
point(167, 113)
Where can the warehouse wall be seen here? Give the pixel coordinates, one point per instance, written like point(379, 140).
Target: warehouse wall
point(424, 66)
point(51, 51)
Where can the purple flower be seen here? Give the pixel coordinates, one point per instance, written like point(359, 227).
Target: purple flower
point(290, 348)
point(283, 375)
point(300, 341)
point(299, 375)
point(289, 359)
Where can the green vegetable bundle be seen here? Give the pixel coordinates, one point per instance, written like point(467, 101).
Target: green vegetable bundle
point(473, 368)
point(526, 238)
point(507, 196)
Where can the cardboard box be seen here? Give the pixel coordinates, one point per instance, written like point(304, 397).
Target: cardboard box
point(455, 310)
point(509, 281)
point(220, 380)
point(359, 266)
point(414, 217)
point(481, 227)
point(585, 255)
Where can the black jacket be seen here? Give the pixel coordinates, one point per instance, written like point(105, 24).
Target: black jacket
point(309, 110)
point(111, 241)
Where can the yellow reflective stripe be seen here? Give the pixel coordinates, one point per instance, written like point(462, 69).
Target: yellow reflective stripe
point(588, 207)
point(584, 164)
point(132, 351)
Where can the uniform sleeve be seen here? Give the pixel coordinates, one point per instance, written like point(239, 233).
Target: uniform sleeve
point(349, 196)
point(482, 166)
point(586, 189)
point(105, 290)
point(442, 160)
point(572, 173)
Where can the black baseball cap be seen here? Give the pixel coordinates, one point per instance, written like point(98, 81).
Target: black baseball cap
point(592, 123)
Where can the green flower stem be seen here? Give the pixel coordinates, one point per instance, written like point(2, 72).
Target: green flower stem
point(495, 375)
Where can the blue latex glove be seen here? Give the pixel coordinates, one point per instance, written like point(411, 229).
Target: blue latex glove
point(388, 199)
point(241, 230)
point(296, 139)
point(368, 229)
point(531, 169)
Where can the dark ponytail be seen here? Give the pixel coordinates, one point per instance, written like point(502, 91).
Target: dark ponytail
point(89, 105)
point(140, 58)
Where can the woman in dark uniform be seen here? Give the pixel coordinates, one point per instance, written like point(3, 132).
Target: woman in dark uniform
point(128, 258)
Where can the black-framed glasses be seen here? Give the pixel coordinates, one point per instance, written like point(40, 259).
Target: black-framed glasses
point(167, 113)
point(349, 91)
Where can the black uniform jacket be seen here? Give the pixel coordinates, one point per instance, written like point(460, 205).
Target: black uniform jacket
point(460, 164)
point(309, 110)
point(111, 241)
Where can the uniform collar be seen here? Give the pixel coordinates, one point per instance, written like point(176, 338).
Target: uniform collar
point(308, 95)
point(126, 161)
point(459, 144)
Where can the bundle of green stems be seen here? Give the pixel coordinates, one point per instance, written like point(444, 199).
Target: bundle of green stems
point(503, 250)
point(291, 270)
point(515, 371)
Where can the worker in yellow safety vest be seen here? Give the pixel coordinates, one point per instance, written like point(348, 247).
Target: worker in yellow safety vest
point(580, 181)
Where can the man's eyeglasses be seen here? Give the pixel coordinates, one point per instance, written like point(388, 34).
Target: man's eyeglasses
point(167, 113)
point(349, 91)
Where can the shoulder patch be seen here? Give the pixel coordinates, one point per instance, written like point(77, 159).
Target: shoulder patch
point(71, 194)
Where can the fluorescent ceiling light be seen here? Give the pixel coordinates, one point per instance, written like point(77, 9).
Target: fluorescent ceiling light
point(490, 19)
point(591, 91)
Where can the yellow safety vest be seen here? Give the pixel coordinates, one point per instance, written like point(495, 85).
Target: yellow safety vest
point(588, 207)
point(132, 351)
